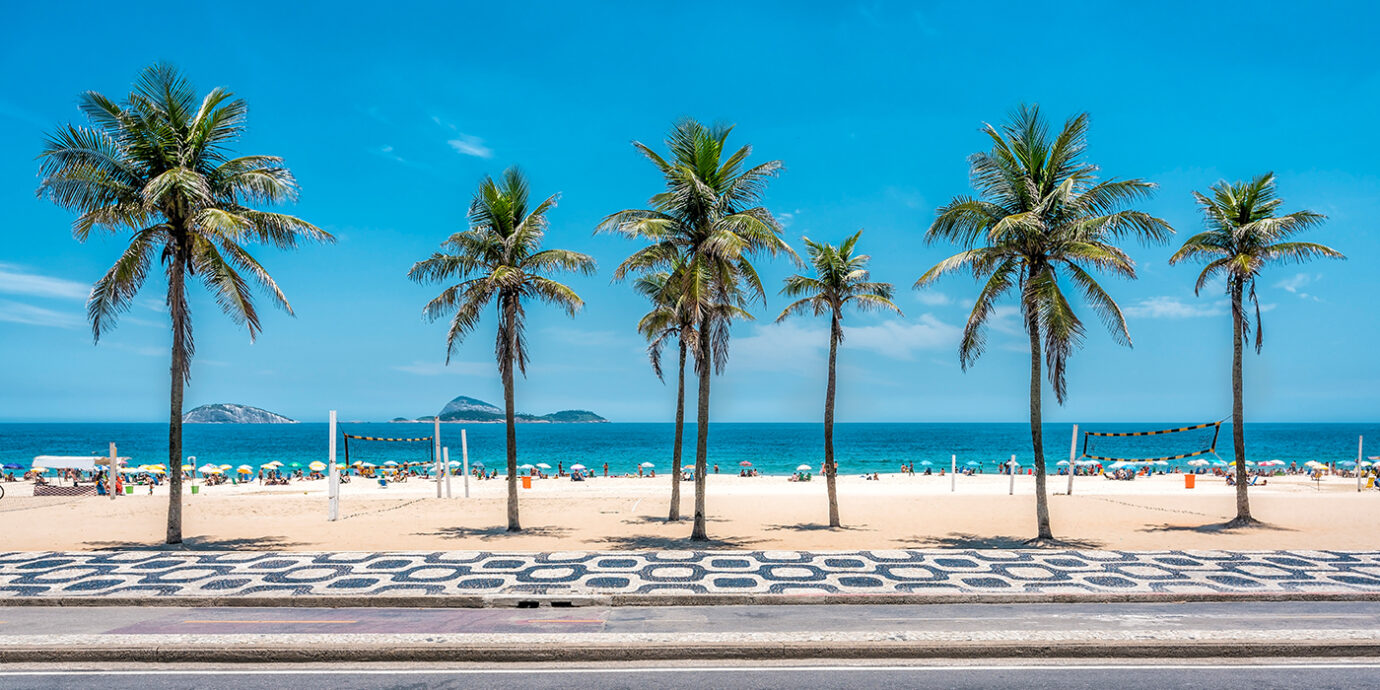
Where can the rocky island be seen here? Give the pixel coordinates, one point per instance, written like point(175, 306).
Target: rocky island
point(231, 413)
point(467, 409)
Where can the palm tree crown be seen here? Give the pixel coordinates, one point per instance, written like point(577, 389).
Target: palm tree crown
point(1244, 233)
point(1041, 213)
point(499, 259)
point(841, 278)
point(159, 166)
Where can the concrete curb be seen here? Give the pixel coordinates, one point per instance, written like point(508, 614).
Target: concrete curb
point(630, 600)
point(513, 653)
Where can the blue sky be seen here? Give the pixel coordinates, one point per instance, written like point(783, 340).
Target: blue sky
point(389, 114)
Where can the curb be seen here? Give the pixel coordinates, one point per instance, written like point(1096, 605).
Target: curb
point(259, 654)
point(633, 600)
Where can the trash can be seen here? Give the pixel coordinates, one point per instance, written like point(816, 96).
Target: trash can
point(196, 489)
point(1188, 480)
point(527, 482)
point(129, 489)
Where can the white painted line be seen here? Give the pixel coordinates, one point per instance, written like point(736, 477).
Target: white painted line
point(706, 669)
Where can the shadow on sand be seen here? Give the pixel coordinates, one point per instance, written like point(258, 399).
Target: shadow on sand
point(1229, 527)
point(957, 540)
point(202, 544)
point(493, 533)
point(649, 542)
point(816, 527)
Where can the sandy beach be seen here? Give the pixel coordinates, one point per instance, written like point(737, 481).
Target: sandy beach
point(744, 513)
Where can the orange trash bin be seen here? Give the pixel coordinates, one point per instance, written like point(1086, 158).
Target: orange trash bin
point(527, 482)
point(1188, 480)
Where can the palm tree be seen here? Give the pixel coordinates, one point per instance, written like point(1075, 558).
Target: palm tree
point(668, 320)
point(1041, 214)
point(499, 260)
point(159, 166)
point(841, 278)
point(710, 214)
point(1245, 232)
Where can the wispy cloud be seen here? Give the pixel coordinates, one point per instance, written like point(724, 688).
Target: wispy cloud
point(471, 146)
point(16, 312)
point(932, 298)
point(1166, 307)
point(457, 368)
point(15, 280)
point(1296, 283)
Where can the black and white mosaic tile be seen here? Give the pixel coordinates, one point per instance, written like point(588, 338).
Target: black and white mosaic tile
point(959, 572)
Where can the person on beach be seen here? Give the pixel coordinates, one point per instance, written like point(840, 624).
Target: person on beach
point(606, 469)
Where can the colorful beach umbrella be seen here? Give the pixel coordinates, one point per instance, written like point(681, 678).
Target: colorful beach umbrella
point(972, 463)
point(245, 469)
point(317, 466)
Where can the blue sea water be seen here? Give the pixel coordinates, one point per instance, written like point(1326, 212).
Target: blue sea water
point(771, 448)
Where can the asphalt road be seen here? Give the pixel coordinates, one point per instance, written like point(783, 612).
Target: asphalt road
point(1257, 676)
point(163, 621)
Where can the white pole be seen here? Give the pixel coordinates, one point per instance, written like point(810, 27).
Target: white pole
point(333, 512)
point(465, 461)
point(436, 455)
point(953, 473)
point(114, 467)
point(445, 458)
point(1073, 448)
point(1011, 469)
point(1360, 444)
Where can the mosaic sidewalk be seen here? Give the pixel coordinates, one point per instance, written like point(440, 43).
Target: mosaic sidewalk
point(137, 574)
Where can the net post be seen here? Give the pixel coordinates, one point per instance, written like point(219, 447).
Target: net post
point(1360, 445)
point(333, 512)
point(953, 473)
point(445, 460)
point(465, 464)
point(1073, 448)
point(1011, 470)
point(110, 476)
point(436, 455)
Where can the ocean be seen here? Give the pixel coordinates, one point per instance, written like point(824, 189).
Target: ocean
point(775, 449)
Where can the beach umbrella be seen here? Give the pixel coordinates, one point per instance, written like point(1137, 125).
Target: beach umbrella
point(1162, 463)
point(972, 463)
point(803, 468)
point(646, 464)
point(12, 466)
point(156, 469)
point(367, 464)
point(745, 463)
point(1062, 462)
point(577, 466)
point(245, 469)
point(454, 463)
point(527, 467)
point(540, 464)
point(390, 463)
point(317, 466)
point(926, 462)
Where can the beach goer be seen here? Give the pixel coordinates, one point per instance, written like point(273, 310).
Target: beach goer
point(606, 469)
point(716, 468)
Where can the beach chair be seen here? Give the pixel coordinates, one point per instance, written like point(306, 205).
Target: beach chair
point(383, 483)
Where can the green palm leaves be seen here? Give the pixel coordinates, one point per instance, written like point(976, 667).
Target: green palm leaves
point(1041, 213)
point(500, 260)
point(1244, 233)
point(840, 279)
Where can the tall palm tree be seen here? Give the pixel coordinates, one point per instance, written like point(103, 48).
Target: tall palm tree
point(710, 214)
point(841, 278)
point(499, 260)
point(1041, 215)
point(159, 166)
point(1244, 233)
point(667, 320)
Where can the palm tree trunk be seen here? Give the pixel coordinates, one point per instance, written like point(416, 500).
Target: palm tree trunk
point(1238, 413)
point(830, 470)
point(1037, 435)
point(705, 368)
point(680, 435)
point(509, 321)
point(177, 309)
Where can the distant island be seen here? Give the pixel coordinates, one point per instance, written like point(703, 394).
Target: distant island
point(231, 413)
point(466, 409)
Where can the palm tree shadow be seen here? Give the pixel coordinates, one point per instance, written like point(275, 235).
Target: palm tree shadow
point(658, 520)
point(265, 543)
point(493, 533)
point(958, 540)
point(816, 527)
point(1229, 527)
point(647, 542)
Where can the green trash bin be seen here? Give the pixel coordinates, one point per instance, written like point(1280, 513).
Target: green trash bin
point(196, 489)
point(129, 489)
